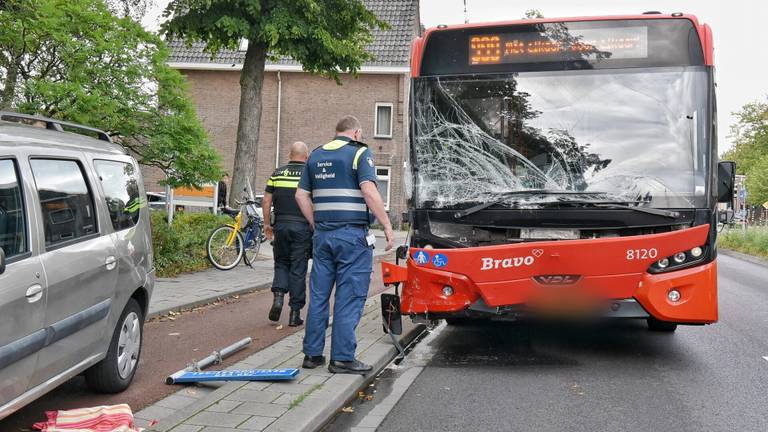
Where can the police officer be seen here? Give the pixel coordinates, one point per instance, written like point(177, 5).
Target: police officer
point(293, 238)
point(336, 190)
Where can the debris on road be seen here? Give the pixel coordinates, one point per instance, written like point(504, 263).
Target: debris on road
point(215, 358)
point(101, 418)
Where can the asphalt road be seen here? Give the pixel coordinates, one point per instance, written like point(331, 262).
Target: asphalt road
point(521, 377)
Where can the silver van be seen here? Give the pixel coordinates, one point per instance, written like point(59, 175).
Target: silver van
point(76, 269)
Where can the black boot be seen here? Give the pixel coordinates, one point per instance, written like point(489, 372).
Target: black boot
point(295, 319)
point(277, 307)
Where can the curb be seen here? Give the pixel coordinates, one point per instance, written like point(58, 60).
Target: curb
point(207, 300)
point(742, 256)
point(306, 419)
point(260, 287)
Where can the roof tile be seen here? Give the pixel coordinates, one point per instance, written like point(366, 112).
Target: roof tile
point(390, 47)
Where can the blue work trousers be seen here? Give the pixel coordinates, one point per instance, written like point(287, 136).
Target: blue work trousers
point(341, 256)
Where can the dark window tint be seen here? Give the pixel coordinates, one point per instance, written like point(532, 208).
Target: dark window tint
point(67, 205)
point(13, 230)
point(121, 190)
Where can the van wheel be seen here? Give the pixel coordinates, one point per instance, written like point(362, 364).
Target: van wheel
point(115, 372)
point(661, 326)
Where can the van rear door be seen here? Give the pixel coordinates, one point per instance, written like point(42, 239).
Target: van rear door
point(22, 289)
point(80, 265)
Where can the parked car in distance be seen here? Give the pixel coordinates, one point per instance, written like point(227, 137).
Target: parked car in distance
point(76, 269)
point(156, 200)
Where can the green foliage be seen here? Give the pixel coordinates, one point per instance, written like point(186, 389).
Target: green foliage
point(181, 246)
point(751, 149)
point(75, 60)
point(533, 14)
point(325, 36)
point(753, 240)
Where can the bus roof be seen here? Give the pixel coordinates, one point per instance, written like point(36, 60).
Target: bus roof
point(704, 31)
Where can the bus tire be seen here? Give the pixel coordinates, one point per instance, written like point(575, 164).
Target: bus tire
point(661, 326)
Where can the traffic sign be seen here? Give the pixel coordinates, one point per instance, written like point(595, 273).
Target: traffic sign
point(239, 375)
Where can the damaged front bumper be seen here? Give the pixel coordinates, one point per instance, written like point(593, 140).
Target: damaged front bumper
point(603, 277)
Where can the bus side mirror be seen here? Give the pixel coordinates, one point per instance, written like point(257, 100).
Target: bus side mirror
point(726, 181)
point(2, 261)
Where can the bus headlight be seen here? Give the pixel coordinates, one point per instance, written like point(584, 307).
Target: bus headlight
point(679, 260)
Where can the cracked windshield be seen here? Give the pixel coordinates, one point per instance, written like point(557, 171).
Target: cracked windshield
point(633, 136)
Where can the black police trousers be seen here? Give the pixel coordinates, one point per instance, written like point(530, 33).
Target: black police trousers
point(292, 248)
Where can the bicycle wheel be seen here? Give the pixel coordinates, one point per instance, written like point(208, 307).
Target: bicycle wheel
point(254, 245)
point(223, 253)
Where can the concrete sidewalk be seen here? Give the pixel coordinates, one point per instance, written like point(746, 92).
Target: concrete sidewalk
point(193, 289)
point(304, 404)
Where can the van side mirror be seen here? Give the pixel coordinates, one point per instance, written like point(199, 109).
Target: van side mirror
point(2, 261)
point(726, 181)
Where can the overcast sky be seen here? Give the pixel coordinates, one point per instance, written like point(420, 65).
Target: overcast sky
point(741, 56)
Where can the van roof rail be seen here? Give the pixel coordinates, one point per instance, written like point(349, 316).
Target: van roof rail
point(54, 124)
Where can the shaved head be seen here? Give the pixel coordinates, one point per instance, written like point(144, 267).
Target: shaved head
point(299, 151)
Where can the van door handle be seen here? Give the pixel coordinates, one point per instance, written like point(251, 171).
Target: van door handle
point(34, 293)
point(110, 262)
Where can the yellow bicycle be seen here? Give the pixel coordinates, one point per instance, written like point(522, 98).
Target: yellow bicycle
point(240, 240)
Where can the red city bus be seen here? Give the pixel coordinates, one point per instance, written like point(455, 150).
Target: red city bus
point(560, 166)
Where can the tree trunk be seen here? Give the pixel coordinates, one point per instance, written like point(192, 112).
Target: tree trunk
point(249, 122)
point(9, 90)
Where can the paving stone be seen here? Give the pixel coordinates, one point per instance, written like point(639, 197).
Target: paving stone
point(315, 379)
point(253, 396)
point(155, 412)
point(209, 418)
point(220, 429)
point(224, 406)
point(187, 428)
point(261, 409)
point(256, 423)
point(176, 401)
point(297, 389)
point(285, 399)
point(256, 385)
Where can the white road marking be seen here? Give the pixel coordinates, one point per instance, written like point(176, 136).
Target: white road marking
point(765, 357)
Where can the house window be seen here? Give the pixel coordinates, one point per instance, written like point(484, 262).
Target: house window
point(383, 126)
point(382, 182)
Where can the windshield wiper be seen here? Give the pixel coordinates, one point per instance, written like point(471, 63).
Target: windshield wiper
point(625, 205)
point(502, 196)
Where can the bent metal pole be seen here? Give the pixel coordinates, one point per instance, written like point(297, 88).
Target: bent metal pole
point(215, 357)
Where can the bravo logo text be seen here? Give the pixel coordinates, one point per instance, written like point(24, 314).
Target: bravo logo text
point(511, 262)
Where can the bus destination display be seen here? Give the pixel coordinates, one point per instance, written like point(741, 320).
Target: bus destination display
point(559, 44)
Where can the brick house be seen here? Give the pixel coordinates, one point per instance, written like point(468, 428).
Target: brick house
point(298, 106)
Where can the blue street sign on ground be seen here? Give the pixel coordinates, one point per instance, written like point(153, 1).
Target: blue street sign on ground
point(239, 375)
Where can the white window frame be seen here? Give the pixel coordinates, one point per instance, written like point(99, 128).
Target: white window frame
point(388, 179)
point(376, 119)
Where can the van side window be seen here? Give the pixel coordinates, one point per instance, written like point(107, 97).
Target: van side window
point(121, 190)
point(13, 221)
point(67, 204)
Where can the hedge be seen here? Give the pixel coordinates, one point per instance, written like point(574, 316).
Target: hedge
point(753, 240)
point(181, 246)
